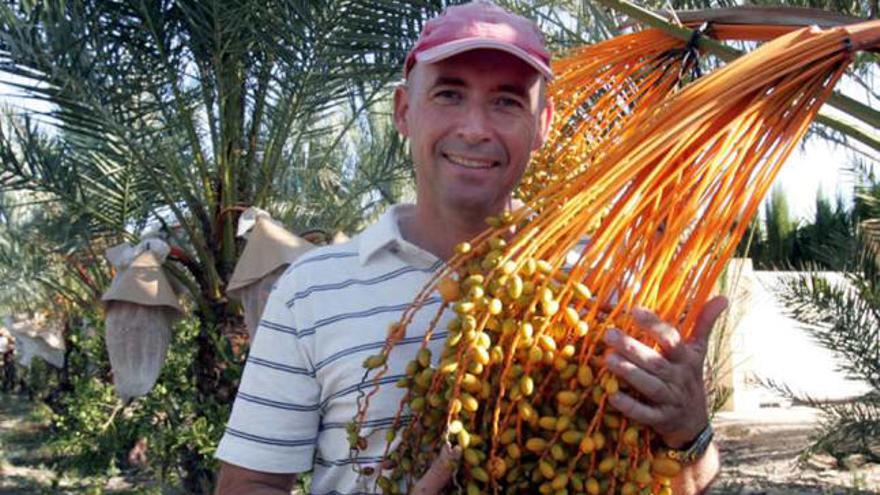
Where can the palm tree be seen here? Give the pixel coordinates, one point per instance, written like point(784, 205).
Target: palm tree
point(173, 116)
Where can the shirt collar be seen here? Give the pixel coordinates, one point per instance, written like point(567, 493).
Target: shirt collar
point(384, 233)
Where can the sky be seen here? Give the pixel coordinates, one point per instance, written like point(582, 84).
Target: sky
point(820, 165)
point(817, 166)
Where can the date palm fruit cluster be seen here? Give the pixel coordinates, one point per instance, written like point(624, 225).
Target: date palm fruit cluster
point(270, 249)
point(520, 387)
point(520, 384)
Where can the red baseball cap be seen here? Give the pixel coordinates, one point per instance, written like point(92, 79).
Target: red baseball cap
point(475, 25)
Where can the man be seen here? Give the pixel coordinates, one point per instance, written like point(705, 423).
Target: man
point(473, 108)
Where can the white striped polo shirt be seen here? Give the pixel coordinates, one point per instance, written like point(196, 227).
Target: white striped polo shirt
point(328, 312)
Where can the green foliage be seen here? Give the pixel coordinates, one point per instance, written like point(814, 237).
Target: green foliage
point(176, 114)
point(844, 319)
point(827, 241)
point(38, 380)
point(94, 430)
point(778, 226)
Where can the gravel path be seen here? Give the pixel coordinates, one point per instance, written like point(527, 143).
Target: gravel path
point(760, 452)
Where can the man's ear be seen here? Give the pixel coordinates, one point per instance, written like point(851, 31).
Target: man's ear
point(544, 121)
point(401, 105)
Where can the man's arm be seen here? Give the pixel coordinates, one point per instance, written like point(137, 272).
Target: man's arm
point(273, 425)
point(236, 480)
point(697, 477)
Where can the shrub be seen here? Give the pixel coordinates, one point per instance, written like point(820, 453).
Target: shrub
point(95, 431)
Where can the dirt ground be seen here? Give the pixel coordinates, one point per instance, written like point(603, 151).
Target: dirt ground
point(759, 450)
point(25, 459)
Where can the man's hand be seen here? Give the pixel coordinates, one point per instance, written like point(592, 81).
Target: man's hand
point(673, 399)
point(440, 472)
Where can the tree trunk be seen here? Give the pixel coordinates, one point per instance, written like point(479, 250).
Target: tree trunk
point(213, 386)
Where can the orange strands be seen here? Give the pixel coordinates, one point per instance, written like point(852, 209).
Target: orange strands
point(663, 183)
point(597, 89)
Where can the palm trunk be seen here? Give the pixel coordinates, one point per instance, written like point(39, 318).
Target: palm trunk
point(213, 387)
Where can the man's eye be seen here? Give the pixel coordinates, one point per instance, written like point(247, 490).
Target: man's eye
point(448, 95)
point(507, 102)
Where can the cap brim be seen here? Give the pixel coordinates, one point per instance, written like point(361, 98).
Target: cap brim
point(446, 50)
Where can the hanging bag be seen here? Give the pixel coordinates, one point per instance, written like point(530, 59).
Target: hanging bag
point(141, 307)
point(270, 249)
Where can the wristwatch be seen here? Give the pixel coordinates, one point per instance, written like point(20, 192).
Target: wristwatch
point(689, 454)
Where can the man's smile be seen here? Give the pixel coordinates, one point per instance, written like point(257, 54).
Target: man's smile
point(471, 162)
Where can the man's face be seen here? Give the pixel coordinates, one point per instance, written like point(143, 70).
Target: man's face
point(472, 121)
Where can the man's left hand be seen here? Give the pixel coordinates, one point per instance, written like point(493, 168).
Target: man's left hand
point(670, 381)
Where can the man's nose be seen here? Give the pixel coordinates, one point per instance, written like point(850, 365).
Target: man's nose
point(475, 126)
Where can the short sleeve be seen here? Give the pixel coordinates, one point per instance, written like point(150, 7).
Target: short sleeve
point(275, 417)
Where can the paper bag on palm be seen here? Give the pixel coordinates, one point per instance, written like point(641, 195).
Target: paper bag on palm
point(141, 306)
point(269, 250)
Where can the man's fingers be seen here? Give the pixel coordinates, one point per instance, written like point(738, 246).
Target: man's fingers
point(635, 410)
point(652, 387)
point(439, 473)
point(663, 333)
point(638, 353)
point(709, 313)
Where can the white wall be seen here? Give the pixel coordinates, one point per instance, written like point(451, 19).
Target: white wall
point(768, 345)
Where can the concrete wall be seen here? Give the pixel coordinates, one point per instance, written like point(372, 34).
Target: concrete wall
point(765, 344)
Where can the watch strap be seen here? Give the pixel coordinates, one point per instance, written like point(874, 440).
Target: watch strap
point(690, 453)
